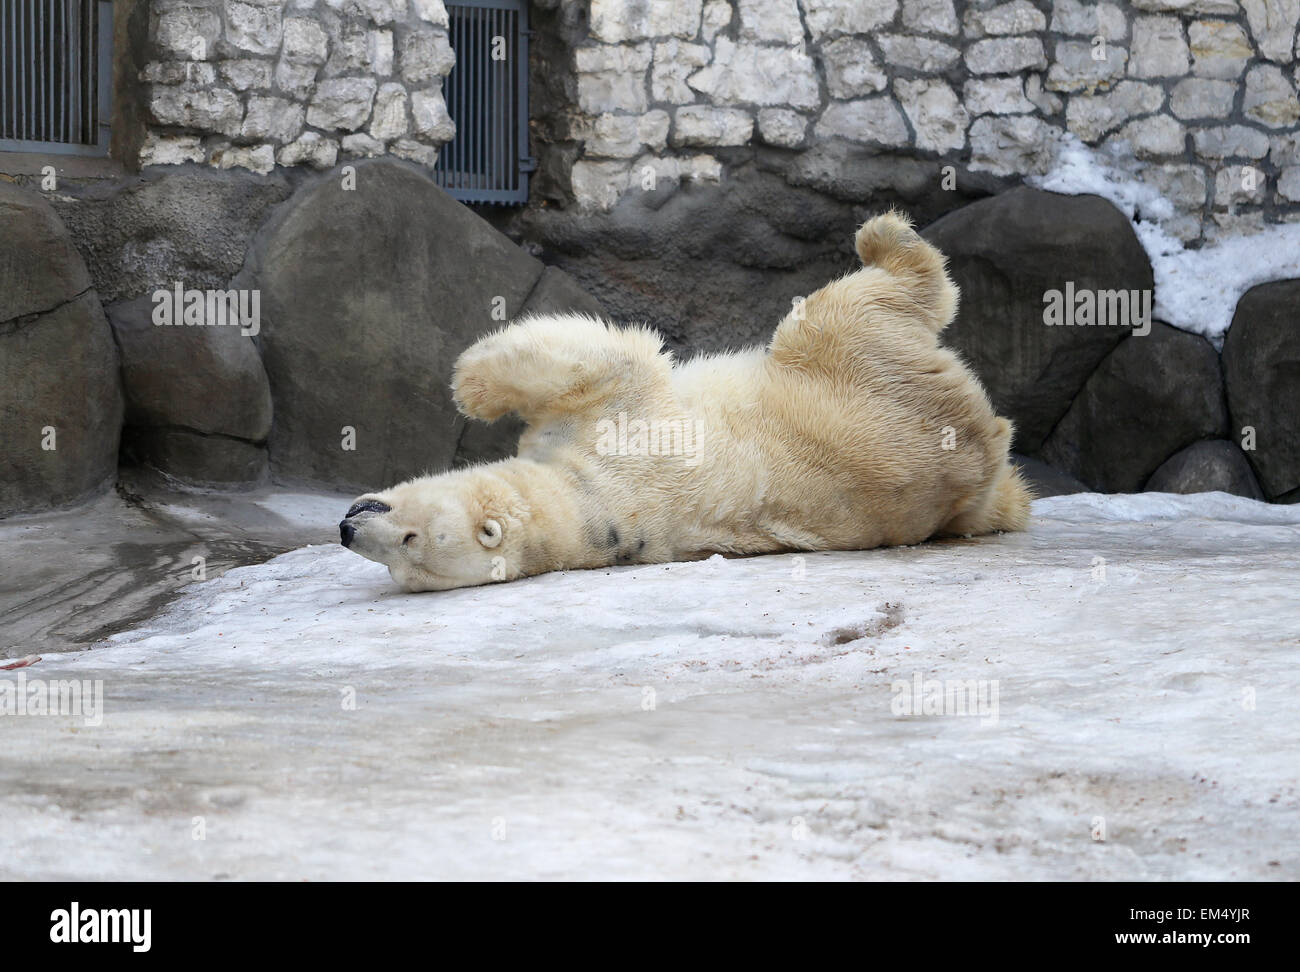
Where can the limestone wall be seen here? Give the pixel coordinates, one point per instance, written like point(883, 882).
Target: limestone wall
point(1198, 97)
point(260, 83)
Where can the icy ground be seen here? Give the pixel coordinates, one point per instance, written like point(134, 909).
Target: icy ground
point(723, 719)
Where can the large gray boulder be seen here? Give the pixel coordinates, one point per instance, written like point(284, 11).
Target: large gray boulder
point(60, 398)
point(185, 223)
point(1261, 365)
point(1151, 396)
point(1206, 467)
point(369, 294)
point(198, 403)
point(41, 268)
point(1006, 253)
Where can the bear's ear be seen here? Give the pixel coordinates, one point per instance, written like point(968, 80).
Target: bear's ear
point(489, 533)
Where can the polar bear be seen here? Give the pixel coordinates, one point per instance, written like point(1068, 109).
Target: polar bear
point(853, 429)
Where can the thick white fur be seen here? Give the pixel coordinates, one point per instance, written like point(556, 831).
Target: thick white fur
point(853, 429)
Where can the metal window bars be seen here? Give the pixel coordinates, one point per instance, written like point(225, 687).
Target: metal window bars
point(56, 62)
point(487, 98)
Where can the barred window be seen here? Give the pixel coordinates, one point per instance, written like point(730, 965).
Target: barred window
point(56, 60)
point(487, 98)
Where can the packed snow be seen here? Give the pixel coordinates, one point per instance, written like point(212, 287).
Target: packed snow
point(1128, 668)
point(1195, 289)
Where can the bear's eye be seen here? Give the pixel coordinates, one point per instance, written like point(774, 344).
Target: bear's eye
point(407, 539)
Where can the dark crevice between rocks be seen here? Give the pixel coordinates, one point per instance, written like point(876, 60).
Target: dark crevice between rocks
point(15, 324)
point(460, 439)
point(541, 272)
point(1038, 453)
point(199, 432)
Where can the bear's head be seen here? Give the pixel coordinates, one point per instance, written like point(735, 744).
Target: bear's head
point(458, 529)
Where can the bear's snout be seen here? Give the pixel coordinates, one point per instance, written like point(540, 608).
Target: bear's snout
point(367, 506)
point(348, 529)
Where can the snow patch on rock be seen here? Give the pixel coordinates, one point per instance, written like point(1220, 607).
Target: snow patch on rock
point(1196, 289)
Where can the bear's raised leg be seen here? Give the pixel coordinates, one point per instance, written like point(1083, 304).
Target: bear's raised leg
point(902, 287)
point(556, 365)
point(890, 243)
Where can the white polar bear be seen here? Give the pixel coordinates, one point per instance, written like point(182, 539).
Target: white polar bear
point(853, 429)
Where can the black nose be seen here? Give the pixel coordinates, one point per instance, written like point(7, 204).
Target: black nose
point(346, 532)
point(367, 506)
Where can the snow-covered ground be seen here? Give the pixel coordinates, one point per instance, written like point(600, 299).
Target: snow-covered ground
point(1135, 659)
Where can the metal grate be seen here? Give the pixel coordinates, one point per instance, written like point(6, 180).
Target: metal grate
point(56, 60)
point(487, 98)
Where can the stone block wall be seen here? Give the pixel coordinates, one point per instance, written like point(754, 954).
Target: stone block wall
point(260, 83)
point(1196, 97)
